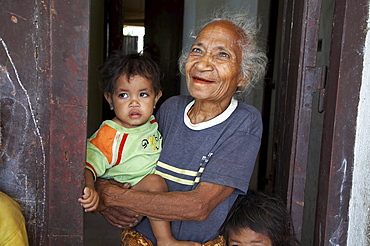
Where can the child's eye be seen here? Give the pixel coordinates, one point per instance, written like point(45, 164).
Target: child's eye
point(123, 95)
point(144, 94)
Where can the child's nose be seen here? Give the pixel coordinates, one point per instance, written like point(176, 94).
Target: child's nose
point(134, 103)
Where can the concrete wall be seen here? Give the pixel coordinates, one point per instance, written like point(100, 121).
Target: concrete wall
point(359, 209)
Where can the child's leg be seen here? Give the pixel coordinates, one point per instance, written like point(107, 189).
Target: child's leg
point(161, 229)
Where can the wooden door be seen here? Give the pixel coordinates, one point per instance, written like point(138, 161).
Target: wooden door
point(43, 89)
point(339, 126)
point(299, 77)
point(333, 88)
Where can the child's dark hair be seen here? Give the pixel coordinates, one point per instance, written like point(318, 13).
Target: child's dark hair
point(129, 65)
point(263, 214)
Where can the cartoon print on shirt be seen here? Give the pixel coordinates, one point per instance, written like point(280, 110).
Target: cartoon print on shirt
point(151, 141)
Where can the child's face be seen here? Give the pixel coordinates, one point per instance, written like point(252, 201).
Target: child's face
point(247, 237)
point(133, 101)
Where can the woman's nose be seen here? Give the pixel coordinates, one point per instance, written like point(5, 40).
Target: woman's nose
point(204, 63)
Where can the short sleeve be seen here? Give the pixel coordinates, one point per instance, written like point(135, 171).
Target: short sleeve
point(233, 160)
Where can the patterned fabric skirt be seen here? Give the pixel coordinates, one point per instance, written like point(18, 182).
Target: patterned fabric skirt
point(130, 237)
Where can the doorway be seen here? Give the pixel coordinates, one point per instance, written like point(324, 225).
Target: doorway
point(44, 96)
point(310, 108)
point(266, 176)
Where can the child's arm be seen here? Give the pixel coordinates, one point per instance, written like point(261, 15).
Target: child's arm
point(90, 198)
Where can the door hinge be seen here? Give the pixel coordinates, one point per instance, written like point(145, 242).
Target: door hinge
point(321, 88)
point(315, 81)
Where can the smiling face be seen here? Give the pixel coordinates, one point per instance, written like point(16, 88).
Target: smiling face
point(133, 100)
point(213, 67)
point(248, 237)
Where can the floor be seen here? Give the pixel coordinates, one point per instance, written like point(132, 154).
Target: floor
point(98, 232)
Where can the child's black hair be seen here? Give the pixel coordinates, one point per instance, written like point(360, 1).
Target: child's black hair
point(129, 65)
point(263, 214)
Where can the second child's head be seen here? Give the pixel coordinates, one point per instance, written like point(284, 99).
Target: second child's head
point(258, 219)
point(131, 85)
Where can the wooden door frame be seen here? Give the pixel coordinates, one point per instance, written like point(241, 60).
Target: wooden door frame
point(298, 78)
point(339, 130)
point(44, 55)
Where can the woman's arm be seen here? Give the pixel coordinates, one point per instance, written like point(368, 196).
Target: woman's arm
point(195, 205)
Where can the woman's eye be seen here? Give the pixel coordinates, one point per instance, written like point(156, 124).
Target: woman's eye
point(144, 94)
point(223, 54)
point(123, 95)
point(196, 50)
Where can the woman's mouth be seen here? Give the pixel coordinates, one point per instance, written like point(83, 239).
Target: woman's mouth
point(201, 80)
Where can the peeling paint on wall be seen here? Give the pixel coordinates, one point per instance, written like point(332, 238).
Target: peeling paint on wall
point(29, 105)
point(15, 105)
point(341, 222)
point(44, 59)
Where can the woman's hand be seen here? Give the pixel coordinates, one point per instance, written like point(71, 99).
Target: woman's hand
point(116, 216)
point(120, 217)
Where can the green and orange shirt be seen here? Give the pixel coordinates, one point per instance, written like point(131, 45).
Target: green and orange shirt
point(124, 154)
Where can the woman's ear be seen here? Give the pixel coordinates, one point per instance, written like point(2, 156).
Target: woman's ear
point(242, 80)
point(109, 99)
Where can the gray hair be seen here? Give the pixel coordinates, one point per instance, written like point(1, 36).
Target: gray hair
point(254, 58)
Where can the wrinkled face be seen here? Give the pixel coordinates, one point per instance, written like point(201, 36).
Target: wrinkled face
point(133, 100)
point(213, 67)
point(247, 237)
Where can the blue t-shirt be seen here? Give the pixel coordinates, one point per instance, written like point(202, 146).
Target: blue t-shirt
point(221, 151)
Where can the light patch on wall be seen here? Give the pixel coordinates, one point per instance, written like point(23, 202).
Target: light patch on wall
point(137, 31)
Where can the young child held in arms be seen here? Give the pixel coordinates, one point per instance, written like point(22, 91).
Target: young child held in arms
point(258, 219)
point(127, 147)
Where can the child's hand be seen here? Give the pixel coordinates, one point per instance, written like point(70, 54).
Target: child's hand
point(89, 200)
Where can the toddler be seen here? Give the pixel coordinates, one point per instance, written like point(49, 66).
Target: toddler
point(127, 147)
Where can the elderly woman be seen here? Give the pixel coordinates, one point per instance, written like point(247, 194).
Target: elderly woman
point(210, 140)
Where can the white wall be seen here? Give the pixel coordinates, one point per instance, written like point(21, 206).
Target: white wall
point(359, 207)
